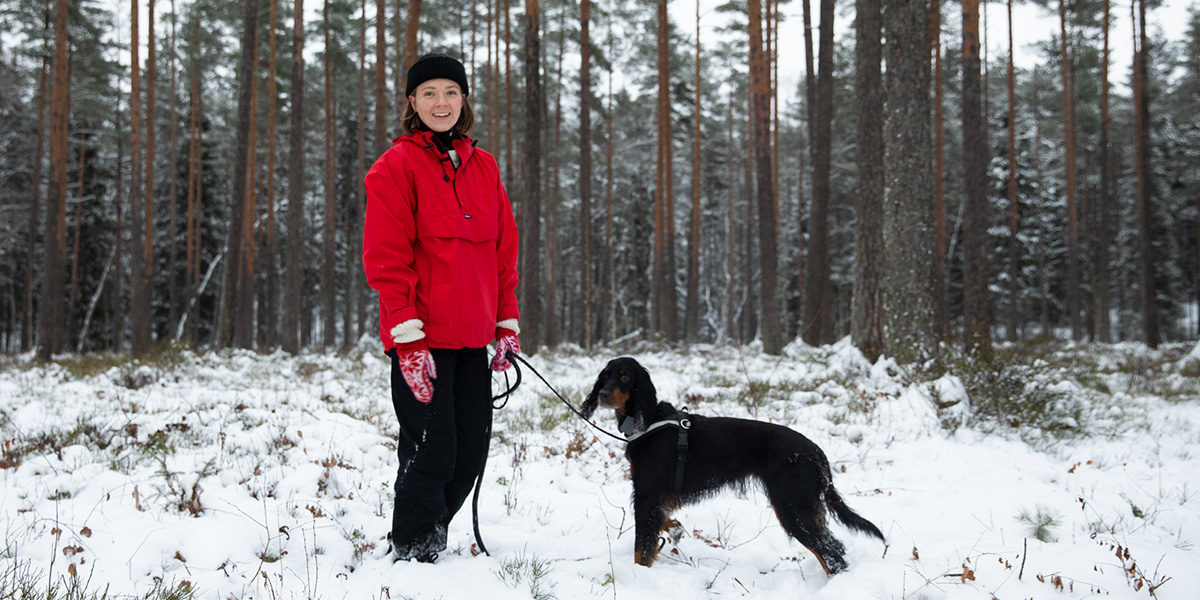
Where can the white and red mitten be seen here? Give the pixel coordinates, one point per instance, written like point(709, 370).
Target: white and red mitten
point(416, 363)
point(419, 372)
point(506, 341)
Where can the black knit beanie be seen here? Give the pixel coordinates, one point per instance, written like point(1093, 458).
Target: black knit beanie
point(436, 66)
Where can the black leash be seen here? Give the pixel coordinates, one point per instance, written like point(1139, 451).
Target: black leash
point(514, 358)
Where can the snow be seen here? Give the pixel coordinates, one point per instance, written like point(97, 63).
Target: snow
point(269, 476)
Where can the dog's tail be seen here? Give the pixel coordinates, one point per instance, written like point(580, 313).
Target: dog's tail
point(847, 516)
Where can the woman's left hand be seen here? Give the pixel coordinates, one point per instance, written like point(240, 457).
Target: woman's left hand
point(505, 343)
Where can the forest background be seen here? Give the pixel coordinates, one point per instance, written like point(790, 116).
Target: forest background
point(908, 188)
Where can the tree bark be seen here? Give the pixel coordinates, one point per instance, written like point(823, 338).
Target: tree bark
point(1014, 268)
point(143, 309)
point(941, 308)
point(531, 303)
point(137, 267)
point(173, 191)
point(609, 197)
point(269, 313)
point(1103, 232)
point(294, 277)
point(908, 222)
point(329, 264)
point(976, 328)
point(1073, 279)
point(35, 204)
point(817, 322)
point(50, 335)
point(1150, 319)
point(381, 119)
point(585, 164)
point(866, 320)
point(760, 92)
point(410, 38)
point(664, 275)
point(691, 318)
point(195, 170)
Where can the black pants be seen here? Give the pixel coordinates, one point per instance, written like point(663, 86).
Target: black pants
point(441, 447)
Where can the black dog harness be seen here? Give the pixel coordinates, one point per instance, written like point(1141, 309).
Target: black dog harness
point(680, 422)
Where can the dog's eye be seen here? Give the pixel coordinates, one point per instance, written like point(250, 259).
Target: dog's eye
point(625, 378)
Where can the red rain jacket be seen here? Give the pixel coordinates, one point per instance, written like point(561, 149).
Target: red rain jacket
point(440, 245)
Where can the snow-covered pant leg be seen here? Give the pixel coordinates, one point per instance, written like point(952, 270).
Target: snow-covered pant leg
point(438, 449)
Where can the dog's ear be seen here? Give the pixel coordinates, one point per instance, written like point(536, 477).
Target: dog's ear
point(646, 397)
point(590, 403)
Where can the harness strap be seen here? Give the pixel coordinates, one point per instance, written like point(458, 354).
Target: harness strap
point(682, 424)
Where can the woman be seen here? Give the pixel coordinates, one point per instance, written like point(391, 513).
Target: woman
point(440, 247)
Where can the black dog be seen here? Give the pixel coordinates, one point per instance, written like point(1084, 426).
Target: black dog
point(705, 454)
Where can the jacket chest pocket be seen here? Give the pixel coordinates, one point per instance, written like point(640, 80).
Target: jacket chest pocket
point(472, 220)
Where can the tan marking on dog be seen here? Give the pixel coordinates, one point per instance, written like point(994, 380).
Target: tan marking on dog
point(617, 399)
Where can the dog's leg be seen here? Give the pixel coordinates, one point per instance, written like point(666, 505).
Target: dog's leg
point(806, 523)
point(649, 518)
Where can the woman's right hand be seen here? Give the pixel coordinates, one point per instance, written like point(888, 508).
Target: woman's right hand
point(419, 372)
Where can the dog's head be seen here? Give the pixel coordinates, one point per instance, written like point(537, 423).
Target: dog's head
point(624, 386)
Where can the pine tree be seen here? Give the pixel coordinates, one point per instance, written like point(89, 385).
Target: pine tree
point(867, 315)
point(976, 323)
point(51, 336)
point(908, 222)
point(530, 300)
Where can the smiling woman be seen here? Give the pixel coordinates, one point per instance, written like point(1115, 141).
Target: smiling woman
point(440, 247)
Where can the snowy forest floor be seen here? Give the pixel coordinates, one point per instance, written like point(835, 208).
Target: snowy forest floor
point(1060, 471)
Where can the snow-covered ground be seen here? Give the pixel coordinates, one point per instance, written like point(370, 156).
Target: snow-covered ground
point(269, 477)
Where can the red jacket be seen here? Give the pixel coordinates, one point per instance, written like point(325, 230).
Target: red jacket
point(440, 245)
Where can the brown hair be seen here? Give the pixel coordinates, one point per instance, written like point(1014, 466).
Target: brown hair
point(411, 122)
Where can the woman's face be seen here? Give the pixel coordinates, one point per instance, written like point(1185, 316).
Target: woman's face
point(438, 102)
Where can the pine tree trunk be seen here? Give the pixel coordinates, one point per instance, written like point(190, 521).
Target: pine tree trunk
point(817, 322)
point(977, 332)
point(1043, 241)
point(173, 192)
point(1150, 324)
point(1014, 269)
point(142, 309)
point(760, 90)
point(410, 37)
point(137, 267)
point(553, 322)
point(244, 324)
point(294, 276)
point(35, 204)
point(117, 290)
point(354, 270)
point(399, 70)
point(1103, 232)
point(381, 121)
point(50, 335)
point(585, 163)
point(73, 293)
point(866, 321)
point(664, 272)
point(191, 248)
point(908, 223)
point(1073, 279)
point(731, 321)
point(810, 80)
point(228, 320)
point(328, 265)
point(269, 313)
point(509, 134)
point(609, 198)
point(531, 303)
point(941, 309)
point(691, 318)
